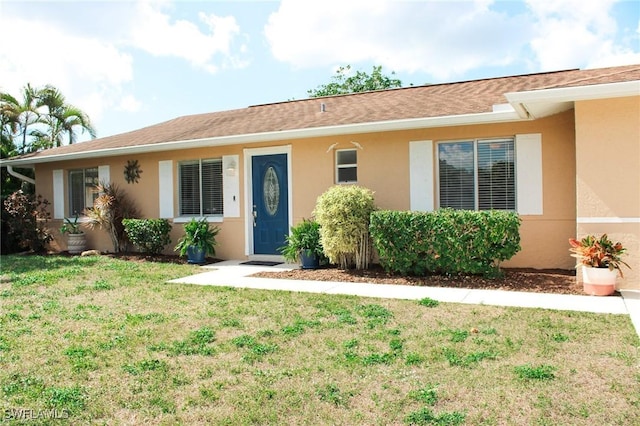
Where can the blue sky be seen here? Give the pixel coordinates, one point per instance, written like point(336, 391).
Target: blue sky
point(130, 64)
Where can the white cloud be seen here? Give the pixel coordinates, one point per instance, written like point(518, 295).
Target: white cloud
point(154, 32)
point(82, 68)
point(77, 48)
point(129, 103)
point(448, 39)
point(572, 33)
point(443, 39)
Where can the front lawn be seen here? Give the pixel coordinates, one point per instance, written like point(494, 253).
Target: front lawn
point(108, 341)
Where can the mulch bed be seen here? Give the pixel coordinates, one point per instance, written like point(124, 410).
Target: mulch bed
point(529, 280)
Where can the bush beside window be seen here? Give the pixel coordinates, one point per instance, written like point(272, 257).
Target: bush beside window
point(148, 235)
point(445, 241)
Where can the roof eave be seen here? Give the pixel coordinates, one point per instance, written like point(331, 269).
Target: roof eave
point(545, 102)
point(379, 126)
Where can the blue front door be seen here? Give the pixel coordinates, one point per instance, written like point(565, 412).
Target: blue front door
point(270, 202)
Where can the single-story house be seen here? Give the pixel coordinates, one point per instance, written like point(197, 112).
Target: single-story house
point(560, 148)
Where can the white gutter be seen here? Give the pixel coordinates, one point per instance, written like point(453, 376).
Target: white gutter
point(379, 126)
point(520, 100)
point(578, 93)
point(20, 176)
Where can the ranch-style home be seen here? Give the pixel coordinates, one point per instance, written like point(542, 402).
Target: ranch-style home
point(560, 148)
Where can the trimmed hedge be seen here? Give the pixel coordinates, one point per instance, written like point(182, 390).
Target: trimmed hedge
point(445, 241)
point(149, 235)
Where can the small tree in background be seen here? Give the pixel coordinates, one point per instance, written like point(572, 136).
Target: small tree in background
point(343, 82)
point(108, 211)
point(27, 218)
point(343, 213)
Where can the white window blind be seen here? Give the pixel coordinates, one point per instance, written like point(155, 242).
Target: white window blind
point(201, 188)
point(496, 175)
point(457, 175)
point(212, 187)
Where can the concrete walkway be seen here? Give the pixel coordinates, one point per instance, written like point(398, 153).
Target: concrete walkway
point(232, 274)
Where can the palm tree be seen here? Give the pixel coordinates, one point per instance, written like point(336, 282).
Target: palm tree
point(20, 115)
point(43, 116)
point(62, 118)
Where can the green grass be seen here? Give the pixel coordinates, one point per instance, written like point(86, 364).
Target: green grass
point(106, 341)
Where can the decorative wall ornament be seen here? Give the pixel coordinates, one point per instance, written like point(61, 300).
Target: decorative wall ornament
point(132, 171)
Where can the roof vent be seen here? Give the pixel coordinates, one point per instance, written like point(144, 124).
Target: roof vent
point(323, 107)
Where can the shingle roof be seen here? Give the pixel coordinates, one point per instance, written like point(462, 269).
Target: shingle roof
point(437, 100)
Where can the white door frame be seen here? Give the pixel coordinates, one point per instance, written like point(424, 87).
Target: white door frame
point(249, 153)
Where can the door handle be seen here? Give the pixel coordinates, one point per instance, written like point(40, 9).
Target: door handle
point(255, 215)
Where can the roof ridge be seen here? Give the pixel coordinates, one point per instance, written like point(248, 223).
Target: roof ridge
point(446, 83)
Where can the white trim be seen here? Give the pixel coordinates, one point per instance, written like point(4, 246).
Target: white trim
point(529, 194)
point(231, 185)
point(58, 194)
point(210, 219)
point(578, 93)
point(421, 193)
point(540, 103)
point(165, 189)
point(282, 135)
point(249, 153)
point(608, 219)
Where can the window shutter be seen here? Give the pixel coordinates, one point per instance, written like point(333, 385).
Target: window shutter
point(165, 188)
point(231, 186)
point(103, 174)
point(529, 173)
point(58, 194)
point(421, 196)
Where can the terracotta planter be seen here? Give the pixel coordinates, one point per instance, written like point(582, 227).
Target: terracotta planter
point(76, 243)
point(599, 281)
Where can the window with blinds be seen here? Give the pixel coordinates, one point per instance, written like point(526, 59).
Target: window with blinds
point(477, 174)
point(201, 187)
point(82, 189)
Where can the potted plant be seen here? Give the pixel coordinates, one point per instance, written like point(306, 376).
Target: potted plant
point(76, 239)
point(601, 262)
point(303, 244)
point(199, 240)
